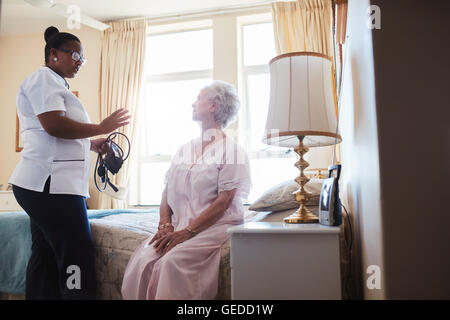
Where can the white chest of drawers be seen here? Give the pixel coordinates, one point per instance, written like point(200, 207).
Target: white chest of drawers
point(273, 260)
point(8, 202)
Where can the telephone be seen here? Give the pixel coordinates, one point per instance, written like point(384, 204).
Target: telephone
point(330, 210)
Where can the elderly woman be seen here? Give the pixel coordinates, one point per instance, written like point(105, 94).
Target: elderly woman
point(205, 185)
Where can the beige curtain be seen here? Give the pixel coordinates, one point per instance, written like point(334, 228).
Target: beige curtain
point(341, 30)
point(303, 25)
point(122, 66)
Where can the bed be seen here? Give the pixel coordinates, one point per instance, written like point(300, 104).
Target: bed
point(116, 234)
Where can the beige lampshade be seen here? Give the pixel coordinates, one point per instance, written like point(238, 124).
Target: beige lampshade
point(302, 101)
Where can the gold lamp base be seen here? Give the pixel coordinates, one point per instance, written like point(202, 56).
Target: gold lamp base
point(303, 214)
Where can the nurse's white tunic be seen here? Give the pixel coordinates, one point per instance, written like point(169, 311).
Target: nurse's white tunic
point(190, 269)
point(66, 160)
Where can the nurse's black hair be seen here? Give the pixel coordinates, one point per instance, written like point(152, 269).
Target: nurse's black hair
point(55, 39)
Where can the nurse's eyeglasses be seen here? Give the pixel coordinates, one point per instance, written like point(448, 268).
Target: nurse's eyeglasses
point(75, 56)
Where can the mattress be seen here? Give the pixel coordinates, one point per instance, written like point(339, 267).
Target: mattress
point(15, 243)
point(117, 237)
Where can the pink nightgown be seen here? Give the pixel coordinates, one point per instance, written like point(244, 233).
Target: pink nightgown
point(190, 269)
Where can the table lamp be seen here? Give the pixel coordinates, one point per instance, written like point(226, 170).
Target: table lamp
point(302, 113)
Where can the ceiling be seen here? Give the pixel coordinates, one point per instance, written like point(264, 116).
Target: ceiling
point(19, 17)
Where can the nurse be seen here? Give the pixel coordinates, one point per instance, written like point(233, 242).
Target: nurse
point(51, 180)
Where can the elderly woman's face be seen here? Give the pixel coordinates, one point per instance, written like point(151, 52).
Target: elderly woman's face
point(202, 108)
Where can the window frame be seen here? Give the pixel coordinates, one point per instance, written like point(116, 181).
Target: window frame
point(159, 78)
point(176, 76)
point(243, 72)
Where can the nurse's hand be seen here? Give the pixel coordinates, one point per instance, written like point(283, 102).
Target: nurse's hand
point(98, 145)
point(164, 244)
point(116, 120)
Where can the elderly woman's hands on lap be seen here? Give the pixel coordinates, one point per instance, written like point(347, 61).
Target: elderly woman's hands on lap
point(169, 240)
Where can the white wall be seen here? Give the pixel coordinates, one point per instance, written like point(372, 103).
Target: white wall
point(396, 154)
point(412, 67)
point(360, 156)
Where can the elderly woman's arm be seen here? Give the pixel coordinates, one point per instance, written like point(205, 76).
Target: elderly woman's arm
point(165, 213)
point(165, 218)
point(206, 219)
point(214, 212)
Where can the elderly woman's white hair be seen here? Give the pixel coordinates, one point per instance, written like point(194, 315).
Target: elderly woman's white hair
point(224, 95)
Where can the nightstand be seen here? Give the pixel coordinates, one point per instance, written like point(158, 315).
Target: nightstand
point(8, 202)
point(274, 260)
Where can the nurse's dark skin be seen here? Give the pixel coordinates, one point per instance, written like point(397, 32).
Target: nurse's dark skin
point(56, 124)
point(65, 66)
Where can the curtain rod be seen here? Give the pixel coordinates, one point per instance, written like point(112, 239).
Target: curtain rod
point(201, 13)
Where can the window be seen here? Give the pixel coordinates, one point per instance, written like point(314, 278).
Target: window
point(258, 48)
point(178, 64)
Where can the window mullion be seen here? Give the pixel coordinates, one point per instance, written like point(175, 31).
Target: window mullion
point(224, 67)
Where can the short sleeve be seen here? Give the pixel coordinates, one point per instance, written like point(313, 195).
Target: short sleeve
point(45, 93)
point(234, 173)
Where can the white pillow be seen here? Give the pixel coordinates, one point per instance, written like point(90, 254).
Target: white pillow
point(281, 197)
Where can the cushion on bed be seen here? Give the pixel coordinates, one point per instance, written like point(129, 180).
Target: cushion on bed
point(281, 197)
